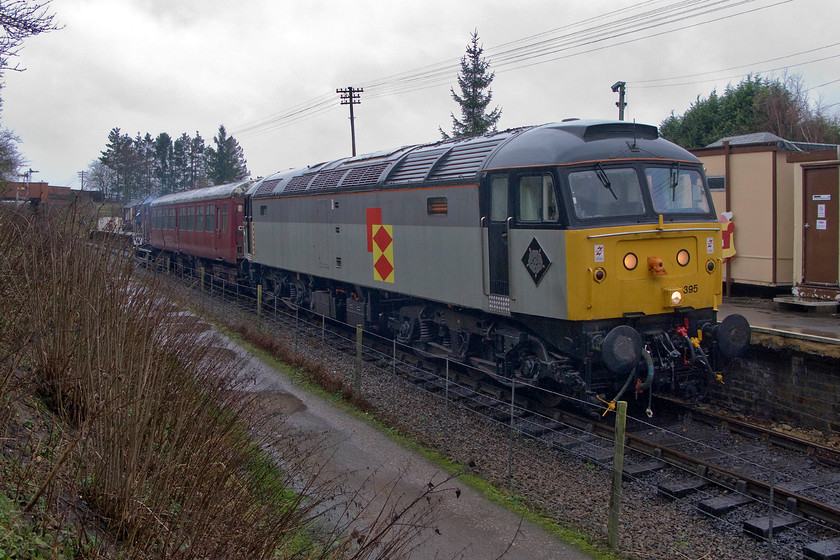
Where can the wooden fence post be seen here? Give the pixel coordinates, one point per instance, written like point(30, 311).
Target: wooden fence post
point(617, 468)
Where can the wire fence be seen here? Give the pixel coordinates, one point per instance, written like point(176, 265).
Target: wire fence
point(544, 437)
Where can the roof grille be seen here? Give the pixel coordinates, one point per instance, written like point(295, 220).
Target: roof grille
point(416, 166)
point(364, 175)
point(267, 187)
point(327, 179)
point(299, 183)
point(465, 159)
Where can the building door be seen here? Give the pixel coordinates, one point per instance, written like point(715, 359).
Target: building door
point(819, 226)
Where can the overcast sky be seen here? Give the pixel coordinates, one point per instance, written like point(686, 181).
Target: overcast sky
point(268, 69)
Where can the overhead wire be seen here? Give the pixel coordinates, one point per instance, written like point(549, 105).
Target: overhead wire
point(734, 76)
point(530, 51)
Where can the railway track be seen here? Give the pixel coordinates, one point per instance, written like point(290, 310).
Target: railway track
point(773, 486)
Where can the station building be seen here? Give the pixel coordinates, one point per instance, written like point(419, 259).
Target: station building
point(758, 187)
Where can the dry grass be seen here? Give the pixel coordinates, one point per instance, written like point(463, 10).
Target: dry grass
point(158, 440)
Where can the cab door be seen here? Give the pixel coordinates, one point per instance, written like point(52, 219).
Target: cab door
point(497, 220)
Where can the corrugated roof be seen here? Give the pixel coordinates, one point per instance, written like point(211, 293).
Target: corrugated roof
point(756, 139)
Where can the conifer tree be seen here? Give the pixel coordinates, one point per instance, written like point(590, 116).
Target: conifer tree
point(474, 81)
point(225, 162)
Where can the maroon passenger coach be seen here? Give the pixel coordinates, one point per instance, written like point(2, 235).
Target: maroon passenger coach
point(200, 226)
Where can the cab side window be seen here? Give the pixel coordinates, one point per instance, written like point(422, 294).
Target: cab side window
point(537, 199)
point(499, 199)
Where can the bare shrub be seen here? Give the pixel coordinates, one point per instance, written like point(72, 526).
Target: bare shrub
point(162, 439)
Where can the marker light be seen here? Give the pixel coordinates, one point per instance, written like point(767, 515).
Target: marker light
point(599, 274)
point(683, 257)
point(710, 266)
point(630, 261)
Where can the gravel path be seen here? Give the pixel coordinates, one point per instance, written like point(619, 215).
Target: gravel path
point(569, 490)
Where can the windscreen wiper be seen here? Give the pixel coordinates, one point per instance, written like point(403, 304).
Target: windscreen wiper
point(675, 179)
point(602, 175)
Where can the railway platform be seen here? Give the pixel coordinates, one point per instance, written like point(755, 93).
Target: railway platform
point(785, 321)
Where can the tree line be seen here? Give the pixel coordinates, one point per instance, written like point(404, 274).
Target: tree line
point(776, 105)
point(131, 168)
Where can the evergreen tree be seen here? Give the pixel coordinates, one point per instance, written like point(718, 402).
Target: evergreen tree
point(163, 163)
point(474, 81)
point(225, 162)
point(120, 156)
point(197, 170)
point(180, 168)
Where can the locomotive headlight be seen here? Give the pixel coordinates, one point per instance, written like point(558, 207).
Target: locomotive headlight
point(630, 261)
point(710, 266)
point(672, 298)
point(683, 257)
point(676, 297)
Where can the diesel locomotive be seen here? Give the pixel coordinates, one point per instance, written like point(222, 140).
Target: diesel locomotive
point(583, 256)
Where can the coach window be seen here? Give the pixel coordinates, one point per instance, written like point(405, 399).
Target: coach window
point(224, 218)
point(210, 220)
point(182, 219)
point(537, 199)
point(199, 218)
point(190, 218)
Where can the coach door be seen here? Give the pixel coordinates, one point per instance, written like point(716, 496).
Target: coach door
point(819, 227)
point(498, 225)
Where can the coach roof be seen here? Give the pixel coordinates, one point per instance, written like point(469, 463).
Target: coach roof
point(228, 190)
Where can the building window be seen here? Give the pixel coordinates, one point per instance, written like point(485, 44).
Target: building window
point(716, 182)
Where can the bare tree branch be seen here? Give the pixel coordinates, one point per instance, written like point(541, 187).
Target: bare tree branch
point(19, 20)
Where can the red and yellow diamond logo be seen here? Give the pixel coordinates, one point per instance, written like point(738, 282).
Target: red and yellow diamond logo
point(383, 253)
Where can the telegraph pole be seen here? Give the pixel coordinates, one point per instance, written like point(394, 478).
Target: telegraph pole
point(82, 177)
point(350, 96)
point(619, 88)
